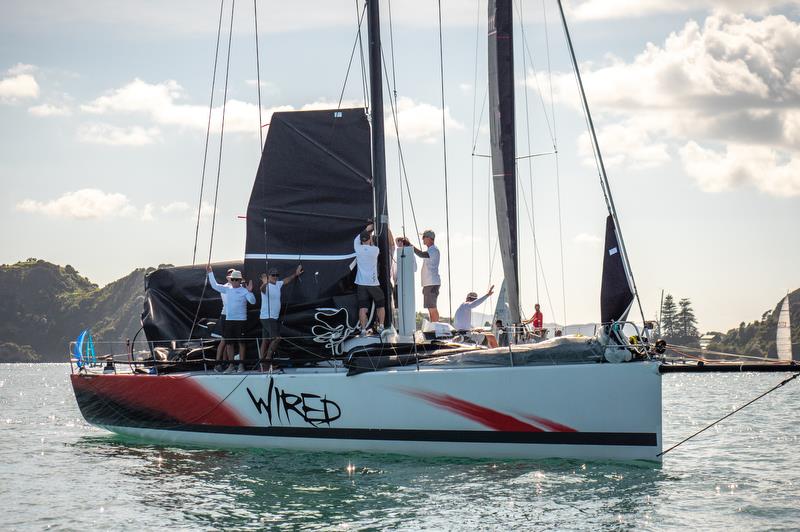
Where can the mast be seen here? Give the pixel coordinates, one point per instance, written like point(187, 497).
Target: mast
point(379, 154)
point(501, 126)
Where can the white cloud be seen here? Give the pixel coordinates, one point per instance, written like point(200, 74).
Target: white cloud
point(609, 9)
point(731, 81)
point(175, 207)
point(765, 169)
point(19, 84)
point(147, 212)
point(46, 109)
point(587, 239)
point(85, 204)
point(418, 121)
point(98, 133)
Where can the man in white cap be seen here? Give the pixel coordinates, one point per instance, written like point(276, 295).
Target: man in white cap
point(236, 299)
point(463, 319)
point(430, 274)
point(368, 288)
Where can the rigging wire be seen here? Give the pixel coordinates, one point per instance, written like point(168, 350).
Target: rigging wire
point(604, 183)
point(444, 154)
point(364, 85)
point(258, 82)
point(393, 92)
point(779, 385)
point(208, 134)
point(221, 134)
point(352, 55)
point(474, 135)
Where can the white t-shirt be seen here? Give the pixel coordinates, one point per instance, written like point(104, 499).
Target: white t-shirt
point(225, 299)
point(366, 263)
point(463, 318)
point(271, 301)
point(430, 268)
point(237, 299)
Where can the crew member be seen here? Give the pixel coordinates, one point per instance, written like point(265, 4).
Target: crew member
point(271, 308)
point(219, 331)
point(463, 318)
point(367, 286)
point(537, 320)
point(430, 274)
point(237, 298)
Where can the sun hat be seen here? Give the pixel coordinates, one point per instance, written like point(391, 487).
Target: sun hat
point(236, 274)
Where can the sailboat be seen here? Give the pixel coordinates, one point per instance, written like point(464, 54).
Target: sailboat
point(783, 335)
point(320, 179)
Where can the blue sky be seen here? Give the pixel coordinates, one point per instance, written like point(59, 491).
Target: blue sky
point(103, 109)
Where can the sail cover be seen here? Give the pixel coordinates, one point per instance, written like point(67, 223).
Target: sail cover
point(616, 293)
point(783, 337)
point(501, 126)
point(312, 195)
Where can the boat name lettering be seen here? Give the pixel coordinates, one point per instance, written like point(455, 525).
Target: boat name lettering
point(312, 408)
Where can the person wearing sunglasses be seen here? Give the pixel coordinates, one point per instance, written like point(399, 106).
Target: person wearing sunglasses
point(236, 299)
point(271, 309)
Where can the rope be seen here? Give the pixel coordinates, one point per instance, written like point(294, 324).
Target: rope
point(208, 134)
point(364, 84)
point(779, 385)
point(472, 159)
point(444, 154)
point(221, 135)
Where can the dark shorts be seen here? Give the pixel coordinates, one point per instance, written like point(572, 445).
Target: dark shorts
point(233, 329)
point(369, 293)
point(429, 296)
point(219, 328)
point(269, 328)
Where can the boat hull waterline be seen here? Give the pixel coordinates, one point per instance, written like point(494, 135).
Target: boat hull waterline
point(586, 411)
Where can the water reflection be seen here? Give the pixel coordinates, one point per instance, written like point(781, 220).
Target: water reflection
point(278, 488)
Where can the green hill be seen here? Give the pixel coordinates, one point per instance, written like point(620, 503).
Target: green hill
point(45, 306)
point(758, 338)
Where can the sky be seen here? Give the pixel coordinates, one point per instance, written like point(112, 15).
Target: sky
point(104, 111)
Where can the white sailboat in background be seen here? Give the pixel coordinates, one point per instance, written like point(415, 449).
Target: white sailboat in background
point(783, 336)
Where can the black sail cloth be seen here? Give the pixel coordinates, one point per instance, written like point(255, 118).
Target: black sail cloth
point(616, 293)
point(312, 195)
point(501, 126)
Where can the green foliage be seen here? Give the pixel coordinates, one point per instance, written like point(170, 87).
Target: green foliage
point(669, 320)
point(45, 306)
point(758, 338)
point(678, 322)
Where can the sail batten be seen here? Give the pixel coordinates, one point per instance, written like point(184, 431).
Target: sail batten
point(502, 133)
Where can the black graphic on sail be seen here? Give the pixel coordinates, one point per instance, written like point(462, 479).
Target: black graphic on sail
point(616, 293)
point(312, 195)
point(501, 126)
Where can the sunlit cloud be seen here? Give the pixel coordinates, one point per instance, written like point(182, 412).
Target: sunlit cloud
point(99, 133)
point(84, 204)
point(18, 84)
point(47, 110)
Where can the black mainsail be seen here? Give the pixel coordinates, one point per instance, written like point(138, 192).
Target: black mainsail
point(312, 195)
point(616, 293)
point(501, 125)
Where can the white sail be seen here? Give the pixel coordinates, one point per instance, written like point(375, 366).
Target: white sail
point(783, 339)
point(501, 311)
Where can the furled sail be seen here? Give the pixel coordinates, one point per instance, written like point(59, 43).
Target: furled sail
point(501, 126)
point(312, 195)
point(783, 337)
point(616, 292)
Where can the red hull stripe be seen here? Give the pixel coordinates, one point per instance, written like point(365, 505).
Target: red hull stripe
point(485, 416)
point(176, 397)
point(551, 425)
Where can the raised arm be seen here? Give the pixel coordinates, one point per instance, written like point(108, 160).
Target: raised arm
point(213, 282)
point(421, 254)
point(482, 299)
point(297, 273)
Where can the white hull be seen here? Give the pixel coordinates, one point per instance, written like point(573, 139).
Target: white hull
point(586, 411)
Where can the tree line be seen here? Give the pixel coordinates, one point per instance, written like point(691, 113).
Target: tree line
point(678, 324)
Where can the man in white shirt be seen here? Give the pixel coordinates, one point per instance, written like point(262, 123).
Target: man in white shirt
point(430, 274)
point(271, 310)
point(367, 286)
point(463, 318)
point(236, 299)
point(219, 330)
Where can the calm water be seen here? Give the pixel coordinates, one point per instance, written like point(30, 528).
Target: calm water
point(57, 471)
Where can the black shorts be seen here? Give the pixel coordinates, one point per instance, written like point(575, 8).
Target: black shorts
point(369, 293)
point(269, 328)
point(429, 296)
point(233, 329)
point(219, 328)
